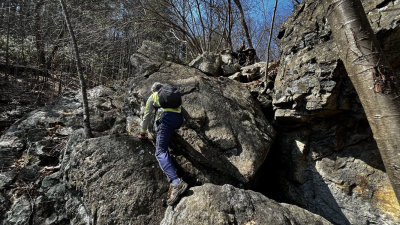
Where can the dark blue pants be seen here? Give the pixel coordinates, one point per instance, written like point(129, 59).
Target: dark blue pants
point(166, 126)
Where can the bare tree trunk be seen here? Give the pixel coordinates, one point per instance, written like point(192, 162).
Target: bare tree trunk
point(55, 48)
point(230, 25)
point(86, 115)
point(373, 78)
point(38, 34)
point(244, 25)
point(269, 41)
point(202, 27)
point(8, 38)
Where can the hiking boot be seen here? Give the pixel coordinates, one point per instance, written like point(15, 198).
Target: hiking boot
point(176, 191)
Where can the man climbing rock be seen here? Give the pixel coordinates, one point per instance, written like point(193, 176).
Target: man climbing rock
point(167, 99)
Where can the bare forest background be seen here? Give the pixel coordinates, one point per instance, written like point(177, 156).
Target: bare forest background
point(36, 49)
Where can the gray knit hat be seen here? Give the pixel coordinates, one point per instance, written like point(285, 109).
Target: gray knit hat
point(156, 86)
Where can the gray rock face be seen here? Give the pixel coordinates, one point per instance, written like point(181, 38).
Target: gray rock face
point(49, 206)
point(120, 180)
point(143, 66)
point(153, 50)
point(225, 131)
point(148, 58)
point(211, 204)
point(32, 151)
point(253, 72)
point(209, 63)
point(334, 169)
point(329, 162)
point(20, 212)
point(229, 63)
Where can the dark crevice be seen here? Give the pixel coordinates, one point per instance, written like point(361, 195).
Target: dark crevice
point(95, 217)
point(281, 33)
point(383, 4)
point(299, 12)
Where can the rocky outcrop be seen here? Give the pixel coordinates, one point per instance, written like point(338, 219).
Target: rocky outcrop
point(119, 179)
point(324, 158)
point(327, 159)
point(32, 152)
point(225, 130)
point(149, 58)
point(211, 204)
point(209, 63)
point(334, 169)
point(228, 63)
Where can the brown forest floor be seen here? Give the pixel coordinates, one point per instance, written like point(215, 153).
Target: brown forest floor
point(20, 94)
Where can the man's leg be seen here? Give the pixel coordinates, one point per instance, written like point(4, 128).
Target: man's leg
point(168, 123)
point(164, 133)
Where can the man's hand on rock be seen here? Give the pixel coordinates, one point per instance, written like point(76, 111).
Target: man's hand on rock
point(143, 136)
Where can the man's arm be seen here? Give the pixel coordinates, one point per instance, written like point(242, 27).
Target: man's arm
point(147, 114)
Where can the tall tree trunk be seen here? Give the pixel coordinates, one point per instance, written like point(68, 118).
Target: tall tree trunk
point(372, 77)
point(230, 25)
point(269, 43)
point(86, 115)
point(243, 21)
point(38, 35)
point(8, 37)
point(203, 28)
point(55, 48)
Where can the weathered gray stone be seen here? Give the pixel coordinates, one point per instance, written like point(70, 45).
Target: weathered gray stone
point(209, 63)
point(6, 178)
point(225, 129)
point(212, 204)
point(236, 76)
point(254, 71)
point(12, 145)
point(143, 65)
point(230, 64)
point(20, 212)
point(153, 50)
point(31, 149)
point(120, 180)
point(49, 210)
point(149, 57)
point(312, 80)
point(50, 205)
point(229, 69)
point(4, 204)
point(78, 213)
point(334, 169)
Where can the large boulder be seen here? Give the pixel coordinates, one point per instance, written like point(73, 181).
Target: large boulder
point(148, 58)
point(333, 169)
point(209, 63)
point(120, 180)
point(32, 151)
point(224, 132)
point(20, 212)
point(217, 205)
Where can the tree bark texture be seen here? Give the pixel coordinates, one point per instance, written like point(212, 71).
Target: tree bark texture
point(8, 35)
point(244, 24)
point(230, 25)
point(38, 34)
point(86, 115)
point(269, 42)
point(373, 78)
